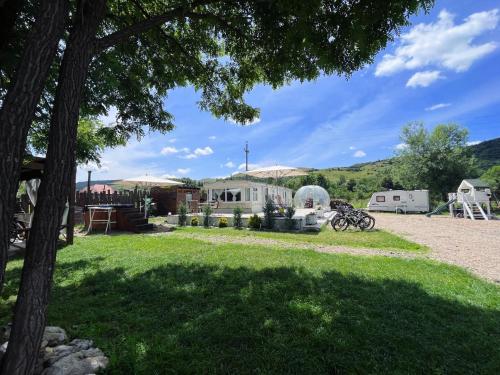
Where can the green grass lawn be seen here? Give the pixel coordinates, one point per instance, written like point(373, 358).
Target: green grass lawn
point(167, 304)
point(376, 239)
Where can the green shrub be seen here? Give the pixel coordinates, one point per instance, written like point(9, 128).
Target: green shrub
point(182, 211)
point(255, 222)
point(195, 221)
point(207, 211)
point(238, 221)
point(223, 222)
point(269, 209)
point(289, 221)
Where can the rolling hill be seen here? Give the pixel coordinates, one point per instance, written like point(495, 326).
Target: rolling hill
point(487, 154)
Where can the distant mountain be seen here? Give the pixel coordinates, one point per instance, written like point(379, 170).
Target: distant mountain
point(487, 153)
point(82, 184)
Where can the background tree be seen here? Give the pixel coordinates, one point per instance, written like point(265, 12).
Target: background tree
point(492, 177)
point(437, 160)
point(221, 48)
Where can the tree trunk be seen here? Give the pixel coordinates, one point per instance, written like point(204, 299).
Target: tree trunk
point(19, 106)
point(32, 300)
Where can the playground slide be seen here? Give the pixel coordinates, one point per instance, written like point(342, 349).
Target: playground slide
point(441, 208)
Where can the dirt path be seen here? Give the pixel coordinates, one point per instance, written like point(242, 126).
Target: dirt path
point(221, 239)
point(474, 245)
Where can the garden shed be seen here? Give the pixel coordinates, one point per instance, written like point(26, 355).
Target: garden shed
point(167, 200)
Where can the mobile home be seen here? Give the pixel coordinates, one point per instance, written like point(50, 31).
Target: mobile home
point(400, 201)
point(248, 195)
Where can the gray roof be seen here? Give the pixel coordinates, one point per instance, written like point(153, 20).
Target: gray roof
point(476, 182)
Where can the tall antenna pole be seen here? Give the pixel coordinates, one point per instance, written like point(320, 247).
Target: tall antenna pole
point(246, 156)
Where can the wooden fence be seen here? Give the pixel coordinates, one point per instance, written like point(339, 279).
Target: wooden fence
point(135, 197)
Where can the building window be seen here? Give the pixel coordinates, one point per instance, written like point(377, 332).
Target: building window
point(218, 195)
point(247, 194)
point(189, 197)
point(466, 191)
point(396, 198)
point(380, 198)
point(255, 194)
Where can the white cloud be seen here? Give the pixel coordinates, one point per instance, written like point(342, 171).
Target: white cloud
point(212, 137)
point(256, 120)
point(229, 164)
point(438, 106)
point(424, 79)
point(401, 146)
point(472, 143)
point(183, 170)
point(173, 140)
point(352, 148)
point(442, 43)
point(205, 151)
point(104, 166)
point(169, 150)
point(359, 154)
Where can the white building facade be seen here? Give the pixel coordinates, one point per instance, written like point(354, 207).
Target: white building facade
point(248, 195)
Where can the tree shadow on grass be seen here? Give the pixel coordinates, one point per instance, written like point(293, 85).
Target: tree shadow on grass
point(202, 319)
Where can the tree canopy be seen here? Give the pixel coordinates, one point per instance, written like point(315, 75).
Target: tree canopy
point(436, 160)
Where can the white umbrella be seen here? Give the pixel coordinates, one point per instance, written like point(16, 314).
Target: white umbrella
point(151, 181)
point(276, 171)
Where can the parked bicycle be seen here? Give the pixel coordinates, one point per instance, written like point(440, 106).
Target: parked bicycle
point(17, 230)
point(347, 216)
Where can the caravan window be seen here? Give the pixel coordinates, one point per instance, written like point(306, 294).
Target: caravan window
point(217, 194)
point(255, 195)
point(380, 198)
point(396, 198)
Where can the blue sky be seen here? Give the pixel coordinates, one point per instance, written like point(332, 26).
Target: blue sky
point(444, 68)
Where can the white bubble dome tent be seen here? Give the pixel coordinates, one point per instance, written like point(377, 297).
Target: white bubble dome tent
point(314, 193)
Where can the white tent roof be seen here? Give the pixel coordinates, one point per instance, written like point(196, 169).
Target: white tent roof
point(152, 181)
point(276, 171)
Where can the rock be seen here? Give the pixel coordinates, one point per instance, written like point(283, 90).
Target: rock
point(3, 349)
point(83, 362)
point(6, 331)
point(54, 336)
point(56, 357)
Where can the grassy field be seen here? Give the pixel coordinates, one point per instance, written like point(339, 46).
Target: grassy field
point(376, 239)
point(167, 304)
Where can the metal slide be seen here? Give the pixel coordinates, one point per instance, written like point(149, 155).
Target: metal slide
point(441, 208)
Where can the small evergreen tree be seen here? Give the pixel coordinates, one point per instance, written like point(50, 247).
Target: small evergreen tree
point(289, 221)
point(182, 210)
point(269, 209)
point(207, 211)
point(238, 222)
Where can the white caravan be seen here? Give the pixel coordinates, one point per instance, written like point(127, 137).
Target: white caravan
point(400, 201)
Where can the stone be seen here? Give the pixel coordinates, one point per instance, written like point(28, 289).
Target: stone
point(54, 336)
point(82, 362)
point(3, 349)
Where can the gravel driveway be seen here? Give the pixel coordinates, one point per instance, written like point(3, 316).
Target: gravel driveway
point(474, 245)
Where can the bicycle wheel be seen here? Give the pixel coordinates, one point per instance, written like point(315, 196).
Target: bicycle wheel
point(13, 233)
point(21, 230)
point(340, 224)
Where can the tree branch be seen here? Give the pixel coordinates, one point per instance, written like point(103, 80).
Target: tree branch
point(139, 27)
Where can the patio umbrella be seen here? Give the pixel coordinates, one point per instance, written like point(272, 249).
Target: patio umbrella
point(276, 171)
point(148, 182)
